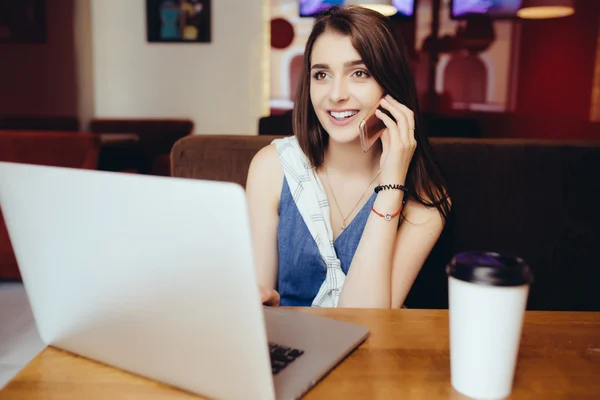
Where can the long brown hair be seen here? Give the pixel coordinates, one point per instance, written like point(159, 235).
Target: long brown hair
point(384, 54)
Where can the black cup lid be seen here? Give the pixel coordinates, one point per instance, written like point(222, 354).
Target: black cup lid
point(489, 268)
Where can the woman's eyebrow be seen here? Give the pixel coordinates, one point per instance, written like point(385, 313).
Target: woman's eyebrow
point(353, 63)
point(346, 64)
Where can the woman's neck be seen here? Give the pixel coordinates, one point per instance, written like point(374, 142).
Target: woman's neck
point(348, 158)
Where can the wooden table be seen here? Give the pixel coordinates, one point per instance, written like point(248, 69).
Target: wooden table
point(406, 357)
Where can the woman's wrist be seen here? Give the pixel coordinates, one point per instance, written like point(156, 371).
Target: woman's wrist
point(388, 204)
point(379, 188)
point(391, 192)
point(389, 198)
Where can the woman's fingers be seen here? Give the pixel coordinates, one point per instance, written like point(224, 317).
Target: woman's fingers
point(393, 136)
point(404, 118)
point(395, 159)
point(405, 110)
point(274, 299)
point(385, 139)
point(269, 297)
point(264, 294)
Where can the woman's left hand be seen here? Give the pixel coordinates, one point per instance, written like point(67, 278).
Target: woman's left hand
point(269, 297)
point(398, 141)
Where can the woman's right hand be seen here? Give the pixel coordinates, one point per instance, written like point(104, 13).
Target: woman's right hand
point(269, 297)
point(398, 141)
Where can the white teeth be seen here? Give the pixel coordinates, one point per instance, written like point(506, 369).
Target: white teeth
point(343, 114)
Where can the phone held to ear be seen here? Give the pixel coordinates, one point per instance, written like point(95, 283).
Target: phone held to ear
point(371, 129)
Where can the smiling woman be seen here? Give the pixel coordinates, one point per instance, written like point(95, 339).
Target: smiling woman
point(353, 77)
point(330, 245)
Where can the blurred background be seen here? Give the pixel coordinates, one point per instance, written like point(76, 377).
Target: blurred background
point(481, 69)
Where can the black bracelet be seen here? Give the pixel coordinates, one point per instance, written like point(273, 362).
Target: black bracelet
point(379, 188)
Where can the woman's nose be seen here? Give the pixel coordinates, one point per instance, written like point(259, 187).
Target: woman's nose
point(339, 91)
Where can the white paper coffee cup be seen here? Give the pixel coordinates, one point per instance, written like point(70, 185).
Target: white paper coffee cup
point(487, 300)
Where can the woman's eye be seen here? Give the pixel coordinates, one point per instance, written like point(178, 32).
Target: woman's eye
point(361, 74)
point(319, 75)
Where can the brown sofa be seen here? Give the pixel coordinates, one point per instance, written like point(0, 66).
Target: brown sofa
point(534, 199)
point(39, 123)
point(63, 149)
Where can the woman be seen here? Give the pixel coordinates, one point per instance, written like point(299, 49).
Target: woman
point(321, 235)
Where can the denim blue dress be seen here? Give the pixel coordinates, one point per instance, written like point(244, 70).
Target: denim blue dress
point(301, 267)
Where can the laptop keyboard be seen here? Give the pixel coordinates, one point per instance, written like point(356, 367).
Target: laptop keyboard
point(282, 356)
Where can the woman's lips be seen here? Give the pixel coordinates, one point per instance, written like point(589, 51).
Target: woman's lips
point(342, 122)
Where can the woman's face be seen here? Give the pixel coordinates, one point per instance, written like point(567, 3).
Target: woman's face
point(342, 91)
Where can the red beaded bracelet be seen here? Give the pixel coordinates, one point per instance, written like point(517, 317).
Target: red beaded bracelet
point(387, 217)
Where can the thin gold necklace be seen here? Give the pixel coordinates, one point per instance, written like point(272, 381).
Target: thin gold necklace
point(344, 226)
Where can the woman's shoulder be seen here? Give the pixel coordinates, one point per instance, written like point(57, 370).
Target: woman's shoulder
point(266, 160)
point(265, 172)
point(269, 159)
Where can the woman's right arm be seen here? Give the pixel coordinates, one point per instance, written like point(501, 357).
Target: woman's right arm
point(263, 188)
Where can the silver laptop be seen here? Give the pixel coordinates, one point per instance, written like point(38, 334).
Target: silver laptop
point(154, 275)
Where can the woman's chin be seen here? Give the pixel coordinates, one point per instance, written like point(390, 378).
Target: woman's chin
point(344, 134)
